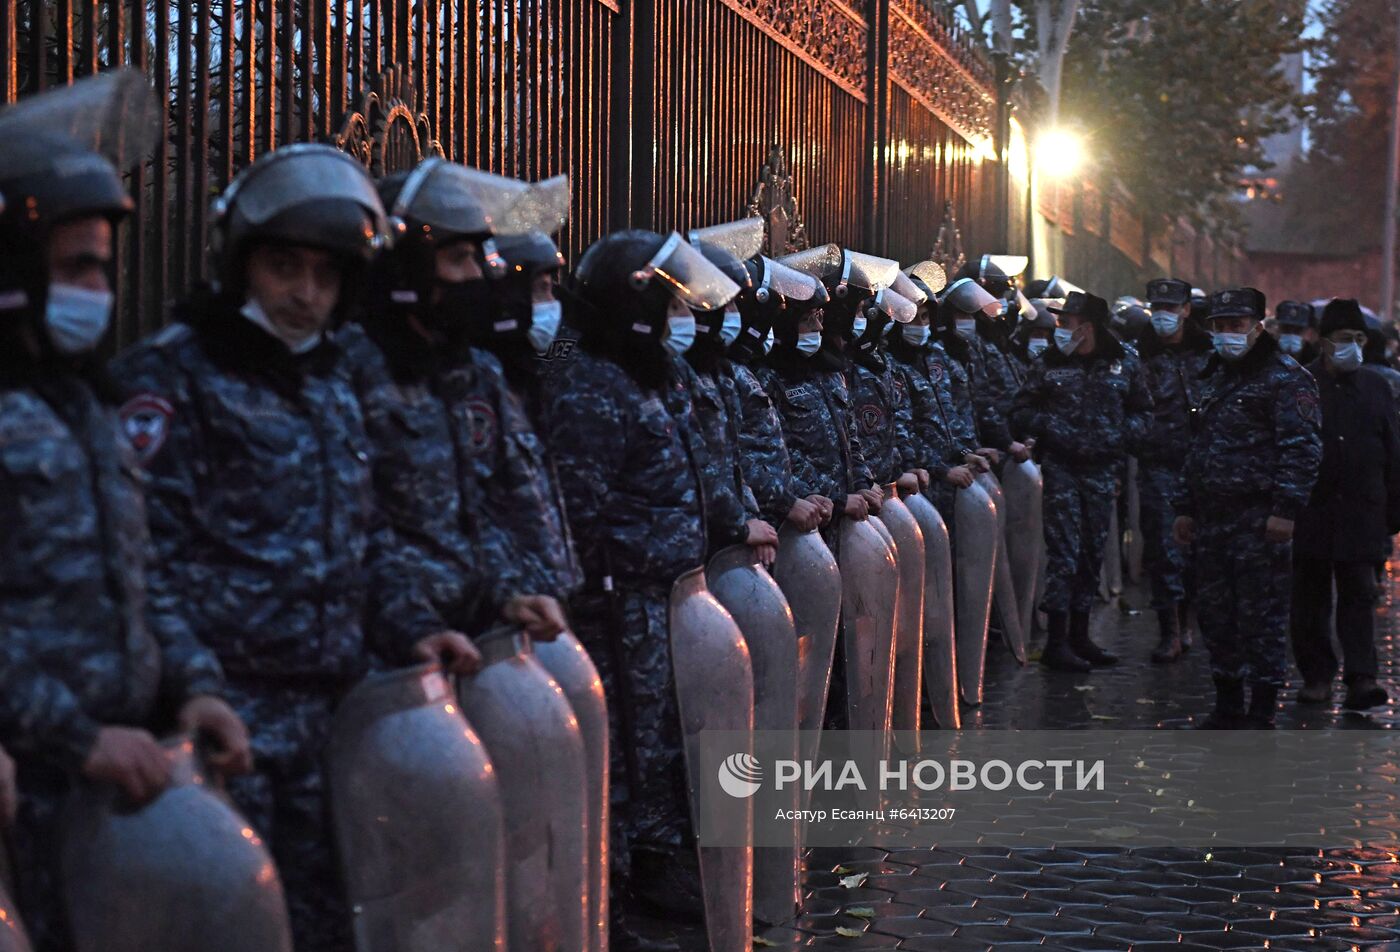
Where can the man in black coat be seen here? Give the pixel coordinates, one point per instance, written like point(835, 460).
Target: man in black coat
point(1346, 527)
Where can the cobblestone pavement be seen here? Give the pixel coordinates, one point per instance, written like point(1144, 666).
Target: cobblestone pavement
point(1084, 899)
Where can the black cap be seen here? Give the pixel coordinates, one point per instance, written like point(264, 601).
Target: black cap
point(1295, 314)
point(1237, 302)
point(1343, 314)
point(1168, 291)
point(1083, 304)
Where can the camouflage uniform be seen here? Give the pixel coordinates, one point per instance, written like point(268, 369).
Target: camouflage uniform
point(263, 514)
point(714, 404)
point(1174, 377)
point(84, 646)
point(763, 456)
point(882, 413)
point(997, 376)
point(1086, 414)
point(1255, 454)
point(636, 506)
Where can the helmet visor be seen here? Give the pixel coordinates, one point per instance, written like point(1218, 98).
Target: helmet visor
point(689, 275)
point(931, 273)
point(301, 173)
point(868, 272)
point(970, 297)
point(743, 238)
point(541, 206)
point(905, 287)
point(1011, 265)
point(114, 114)
point(793, 285)
point(896, 306)
point(819, 262)
point(1059, 287)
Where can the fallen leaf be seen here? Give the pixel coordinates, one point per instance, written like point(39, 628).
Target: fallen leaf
point(1102, 717)
point(851, 882)
point(760, 940)
point(848, 933)
point(1146, 700)
point(840, 871)
point(1084, 687)
point(861, 912)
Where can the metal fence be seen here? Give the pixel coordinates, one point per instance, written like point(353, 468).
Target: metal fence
point(836, 123)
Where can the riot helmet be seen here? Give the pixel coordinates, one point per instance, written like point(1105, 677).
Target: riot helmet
point(780, 296)
point(727, 246)
point(525, 259)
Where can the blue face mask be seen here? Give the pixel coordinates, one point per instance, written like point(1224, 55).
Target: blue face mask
point(858, 325)
point(1065, 340)
point(889, 326)
point(1165, 323)
point(1230, 346)
point(1036, 346)
point(729, 330)
point(809, 343)
point(916, 334)
point(544, 324)
point(680, 334)
point(1290, 343)
point(76, 318)
point(1346, 357)
point(966, 326)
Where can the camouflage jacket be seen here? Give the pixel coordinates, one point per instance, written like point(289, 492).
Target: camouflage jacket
point(262, 504)
point(1257, 436)
point(82, 644)
point(1174, 377)
point(989, 376)
point(940, 439)
point(1085, 411)
point(820, 431)
point(763, 455)
point(883, 416)
point(714, 403)
point(632, 486)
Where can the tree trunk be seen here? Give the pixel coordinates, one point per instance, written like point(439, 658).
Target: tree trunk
point(1054, 21)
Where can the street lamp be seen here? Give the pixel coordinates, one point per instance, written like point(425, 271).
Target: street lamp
point(1060, 154)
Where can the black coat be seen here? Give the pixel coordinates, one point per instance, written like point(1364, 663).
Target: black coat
point(1355, 504)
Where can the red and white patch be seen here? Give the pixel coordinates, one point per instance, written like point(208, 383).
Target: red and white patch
point(481, 424)
point(872, 418)
point(146, 422)
point(937, 371)
point(1308, 407)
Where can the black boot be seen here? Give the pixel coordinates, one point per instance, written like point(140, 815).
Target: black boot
point(1058, 656)
point(1169, 641)
point(1363, 694)
point(1229, 706)
point(1263, 701)
point(1183, 625)
point(1079, 640)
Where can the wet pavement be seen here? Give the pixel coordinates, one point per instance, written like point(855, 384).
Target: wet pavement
point(1159, 898)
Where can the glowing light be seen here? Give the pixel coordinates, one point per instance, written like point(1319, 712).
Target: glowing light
point(1060, 154)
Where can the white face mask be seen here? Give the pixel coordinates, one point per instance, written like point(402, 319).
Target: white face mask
point(916, 334)
point(76, 318)
point(545, 317)
point(769, 341)
point(858, 326)
point(1165, 323)
point(1290, 343)
point(1065, 340)
point(1346, 357)
point(1230, 346)
point(729, 330)
point(809, 343)
point(966, 326)
point(680, 334)
point(253, 311)
point(1036, 346)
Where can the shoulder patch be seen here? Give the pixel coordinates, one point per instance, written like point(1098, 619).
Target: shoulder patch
point(480, 418)
point(796, 393)
point(146, 423)
point(872, 418)
point(937, 371)
point(1308, 406)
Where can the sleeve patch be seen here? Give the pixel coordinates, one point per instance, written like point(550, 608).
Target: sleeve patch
point(1307, 405)
point(146, 422)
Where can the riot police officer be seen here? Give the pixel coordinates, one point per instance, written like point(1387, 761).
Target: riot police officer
point(97, 651)
point(881, 406)
point(1297, 330)
point(1174, 353)
point(1253, 460)
point(995, 376)
point(261, 500)
point(1086, 404)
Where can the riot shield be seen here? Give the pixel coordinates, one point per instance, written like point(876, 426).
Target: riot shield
point(185, 873)
point(1133, 541)
point(12, 937)
point(1004, 601)
point(1025, 533)
point(909, 617)
point(1111, 583)
point(568, 663)
point(531, 733)
point(757, 605)
point(940, 653)
point(417, 817)
point(715, 691)
point(811, 582)
point(869, 596)
point(978, 539)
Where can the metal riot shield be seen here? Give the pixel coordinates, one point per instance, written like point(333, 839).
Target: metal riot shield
point(418, 820)
point(531, 733)
point(572, 669)
point(978, 539)
point(1004, 601)
point(715, 691)
point(12, 937)
point(940, 653)
point(1133, 541)
point(1023, 487)
point(869, 595)
point(806, 572)
point(185, 873)
point(757, 605)
point(1111, 584)
point(909, 617)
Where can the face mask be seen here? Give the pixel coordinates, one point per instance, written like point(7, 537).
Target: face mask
point(76, 318)
point(544, 324)
point(966, 327)
point(729, 330)
point(680, 334)
point(1290, 343)
point(1165, 323)
point(916, 334)
point(464, 305)
point(858, 326)
point(769, 341)
point(1230, 346)
point(809, 343)
point(1346, 357)
point(889, 326)
point(298, 345)
point(1036, 346)
point(1066, 341)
